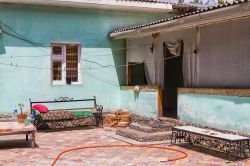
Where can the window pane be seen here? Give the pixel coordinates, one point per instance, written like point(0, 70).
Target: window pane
point(57, 70)
point(72, 63)
point(57, 50)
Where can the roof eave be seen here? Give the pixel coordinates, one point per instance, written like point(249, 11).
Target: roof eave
point(185, 22)
point(129, 6)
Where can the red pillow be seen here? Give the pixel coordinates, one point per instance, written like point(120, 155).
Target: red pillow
point(41, 108)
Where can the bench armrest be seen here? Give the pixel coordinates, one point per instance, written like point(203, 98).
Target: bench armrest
point(99, 108)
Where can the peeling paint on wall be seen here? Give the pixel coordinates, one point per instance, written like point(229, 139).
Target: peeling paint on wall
point(218, 111)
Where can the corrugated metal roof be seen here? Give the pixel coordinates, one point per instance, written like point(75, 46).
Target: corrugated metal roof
point(153, 1)
point(181, 16)
point(175, 5)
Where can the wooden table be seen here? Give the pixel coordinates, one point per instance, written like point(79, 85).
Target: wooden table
point(12, 128)
point(232, 144)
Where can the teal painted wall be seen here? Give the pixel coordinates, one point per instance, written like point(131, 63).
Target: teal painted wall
point(218, 111)
point(142, 103)
point(43, 25)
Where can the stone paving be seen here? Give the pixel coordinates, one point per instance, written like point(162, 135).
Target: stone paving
point(18, 153)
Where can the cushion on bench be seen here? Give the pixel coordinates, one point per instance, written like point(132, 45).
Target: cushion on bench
point(81, 114)
point(41, 108)
point(66, 115)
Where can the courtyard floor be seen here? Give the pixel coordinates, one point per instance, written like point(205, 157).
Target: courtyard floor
point(15, 151)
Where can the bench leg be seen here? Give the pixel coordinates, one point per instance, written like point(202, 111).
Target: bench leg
point(229, 152)
point(97, 119)
point(33, 139)
point(172, 136)
point(180, 136)
point(27, 136)
point(189, 140)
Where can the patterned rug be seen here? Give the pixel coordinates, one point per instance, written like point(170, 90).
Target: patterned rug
point(15, 151)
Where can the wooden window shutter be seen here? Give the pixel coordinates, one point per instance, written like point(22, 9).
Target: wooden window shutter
point(71, 63)
point(57, 70)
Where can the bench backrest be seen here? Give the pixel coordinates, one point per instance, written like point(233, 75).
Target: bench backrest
point(64, 100)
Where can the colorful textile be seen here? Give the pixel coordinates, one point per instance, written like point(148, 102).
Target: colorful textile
point(64, 119)
point(70, 123)
point(60, 115)
point(12, 127)
point(81, 114)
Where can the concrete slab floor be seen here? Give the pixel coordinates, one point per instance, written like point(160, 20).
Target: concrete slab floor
point(15, 151)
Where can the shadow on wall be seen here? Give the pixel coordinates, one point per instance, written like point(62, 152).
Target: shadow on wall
point(136, 96)
point(119, 56)
point(30, 25)
point(2, 48)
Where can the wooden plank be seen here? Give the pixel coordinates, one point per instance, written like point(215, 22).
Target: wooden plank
point(211, 91)
point(144, 87)
point(159, 102)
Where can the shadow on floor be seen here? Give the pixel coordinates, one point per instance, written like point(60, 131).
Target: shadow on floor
point(67, 129)
point(211, 152)
point(16, 144)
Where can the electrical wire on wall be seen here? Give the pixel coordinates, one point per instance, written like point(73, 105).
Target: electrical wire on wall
point(20, 37)
point(43, 68)
point(16, 35)
point(119, 66)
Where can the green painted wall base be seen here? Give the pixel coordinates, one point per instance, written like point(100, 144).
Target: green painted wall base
point(218, 111)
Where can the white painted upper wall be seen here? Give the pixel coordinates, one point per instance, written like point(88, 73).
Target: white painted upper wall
point(132, 6)
point(222, 60)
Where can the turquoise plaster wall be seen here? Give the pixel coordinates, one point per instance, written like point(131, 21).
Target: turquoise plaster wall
point(218, 111)
point(43, 25)
point(142, 103)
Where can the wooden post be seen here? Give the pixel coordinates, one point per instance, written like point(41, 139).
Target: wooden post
point(159, 102)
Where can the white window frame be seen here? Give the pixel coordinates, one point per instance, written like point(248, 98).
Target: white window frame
point(62, 58)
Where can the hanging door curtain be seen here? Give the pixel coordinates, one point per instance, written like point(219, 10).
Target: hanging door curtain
point(172, 49)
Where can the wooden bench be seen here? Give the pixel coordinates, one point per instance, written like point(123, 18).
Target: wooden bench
point(235, 145)
point(95, 109)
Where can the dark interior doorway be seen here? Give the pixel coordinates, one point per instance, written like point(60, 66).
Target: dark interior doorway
point(173, 79)
point(136, 74)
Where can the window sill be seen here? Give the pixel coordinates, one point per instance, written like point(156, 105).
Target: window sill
point(142, 87)
point(64, 84)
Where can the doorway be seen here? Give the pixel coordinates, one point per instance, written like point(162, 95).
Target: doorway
point(173, 77)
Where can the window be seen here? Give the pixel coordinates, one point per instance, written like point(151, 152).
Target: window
point(136, 74)
point(65, 63)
